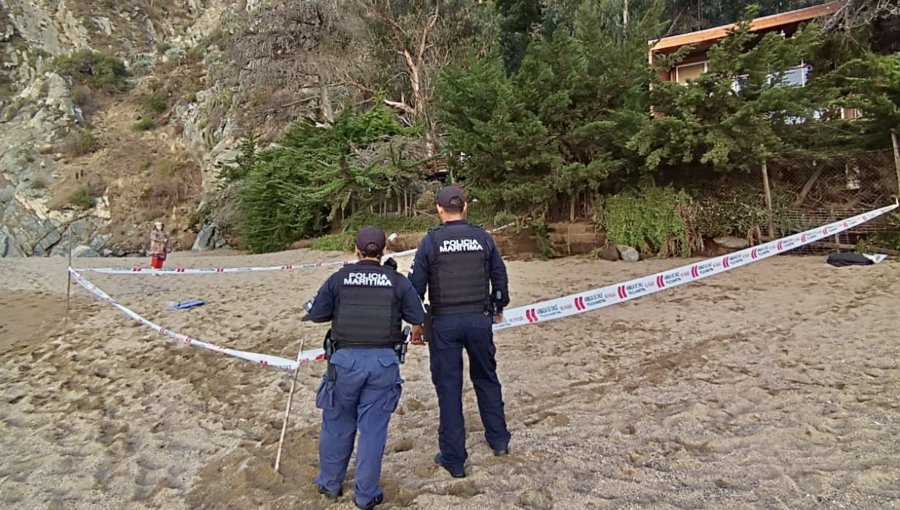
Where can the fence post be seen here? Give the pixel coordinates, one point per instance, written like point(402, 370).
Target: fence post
point(896, 158)
point(765, 176)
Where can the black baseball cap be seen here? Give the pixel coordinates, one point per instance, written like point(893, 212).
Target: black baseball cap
point(451, 196)
point(370, 236)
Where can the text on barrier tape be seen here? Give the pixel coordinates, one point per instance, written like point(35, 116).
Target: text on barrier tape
point(558, 308)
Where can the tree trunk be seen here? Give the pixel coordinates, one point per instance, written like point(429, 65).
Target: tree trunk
point(896, 158)
point(327, 111)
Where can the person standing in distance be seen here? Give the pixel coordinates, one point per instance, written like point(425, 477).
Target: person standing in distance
point(365, 303)
point(461, 268)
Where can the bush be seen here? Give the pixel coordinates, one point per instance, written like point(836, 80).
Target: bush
point(656, 221)
point(38, 183)
point(335, 242)
point(79, 142)
point(156, 103)
point(298, 188)
point(82, 198)
point(145, 124)
point(100, 70)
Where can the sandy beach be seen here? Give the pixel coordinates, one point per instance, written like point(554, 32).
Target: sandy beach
point(772, 386)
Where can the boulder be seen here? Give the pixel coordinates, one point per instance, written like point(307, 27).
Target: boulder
point(8, 247)
point(84, 251)
point(732, 242)
point(610, 253)
point(628, 254)
point(210, 238)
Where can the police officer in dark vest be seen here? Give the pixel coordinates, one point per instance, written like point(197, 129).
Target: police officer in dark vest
point(467, 290)
point(365, 303)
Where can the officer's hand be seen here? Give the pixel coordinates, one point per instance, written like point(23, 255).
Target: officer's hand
point(498, 318)
point(417, 335)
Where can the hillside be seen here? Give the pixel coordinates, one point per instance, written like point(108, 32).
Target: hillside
point(97, 152)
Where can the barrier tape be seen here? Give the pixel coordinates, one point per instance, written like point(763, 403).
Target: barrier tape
point(602, 297)
point(558, 308)
point(218, 270)
point(265, 360)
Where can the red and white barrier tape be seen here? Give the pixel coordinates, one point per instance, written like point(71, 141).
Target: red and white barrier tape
point(218, 270)
point(263, 359)
point(594, 299)
point(558, 308)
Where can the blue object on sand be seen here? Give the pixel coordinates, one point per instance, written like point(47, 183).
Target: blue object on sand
point(184, 305)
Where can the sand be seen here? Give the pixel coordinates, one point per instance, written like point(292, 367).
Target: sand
point(772, 386)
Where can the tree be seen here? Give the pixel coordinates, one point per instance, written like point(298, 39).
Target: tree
point(872, 85)
point(739, 112)
point(414, 40)
point(559, 127)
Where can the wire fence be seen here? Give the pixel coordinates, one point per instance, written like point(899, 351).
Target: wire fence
point(811, 191)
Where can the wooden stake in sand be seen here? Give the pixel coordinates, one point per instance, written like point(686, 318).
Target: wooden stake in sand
point(68, 288)
point(287, 412)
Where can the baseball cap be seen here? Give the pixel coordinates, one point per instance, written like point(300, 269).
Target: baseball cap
point(451, 196)
point(370, 236)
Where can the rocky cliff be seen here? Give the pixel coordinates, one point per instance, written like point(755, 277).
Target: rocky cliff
point(114, 114)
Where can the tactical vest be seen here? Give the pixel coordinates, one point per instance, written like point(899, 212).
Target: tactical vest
point(458, 278)
point(367, 310)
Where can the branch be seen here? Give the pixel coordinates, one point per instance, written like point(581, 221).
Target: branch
point(427, 29)
point(401, 105)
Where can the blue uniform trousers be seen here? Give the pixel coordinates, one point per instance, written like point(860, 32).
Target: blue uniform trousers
point(450, 335)
point(362, 398)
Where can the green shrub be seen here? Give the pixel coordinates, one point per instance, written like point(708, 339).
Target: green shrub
point(145, 124)
point(656, 221)
point(335, 242)
point(82, 198)
point(297, 188)
point(79, 142)
point(38, 183)
point(100, 70)
point(156, 103)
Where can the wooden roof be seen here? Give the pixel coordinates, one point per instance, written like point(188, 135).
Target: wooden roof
point(766, 22)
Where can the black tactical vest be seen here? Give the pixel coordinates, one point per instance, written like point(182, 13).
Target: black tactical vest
point(458, 278)
point(367, 310)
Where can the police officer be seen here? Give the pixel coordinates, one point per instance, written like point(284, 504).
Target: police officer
point(365, 303)
point(467, 290)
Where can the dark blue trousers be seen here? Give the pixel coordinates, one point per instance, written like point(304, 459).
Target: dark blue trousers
point(450, 335)
point(362, 398)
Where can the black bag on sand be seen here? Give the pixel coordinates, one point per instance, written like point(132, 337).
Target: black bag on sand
point(848, 259)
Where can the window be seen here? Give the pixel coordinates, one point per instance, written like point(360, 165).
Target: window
point(793, 77)
point(687, 72)
point(797, 76)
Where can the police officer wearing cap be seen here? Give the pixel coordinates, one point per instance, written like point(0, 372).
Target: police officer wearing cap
point(465, 276)
point(365, 303)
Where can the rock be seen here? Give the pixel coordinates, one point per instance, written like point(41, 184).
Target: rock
point(628, 254)
point(99, 241)
point(209, 238)
point(106, 252)
point(47, 243)
point(731, 242)
point(610, 253)
point(84, 251)
point(8, 247)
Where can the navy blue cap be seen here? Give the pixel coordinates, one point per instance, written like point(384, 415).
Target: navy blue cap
point(368, 237)
point(451, 196)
